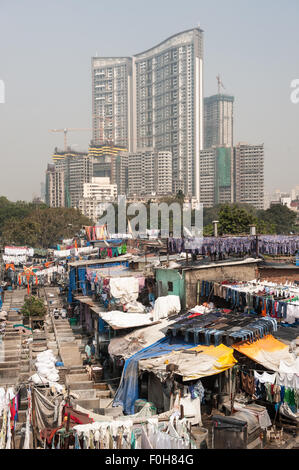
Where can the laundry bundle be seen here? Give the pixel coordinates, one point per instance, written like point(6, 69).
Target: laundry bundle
point(46, 370)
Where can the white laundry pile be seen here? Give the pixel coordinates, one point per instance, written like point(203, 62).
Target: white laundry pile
point(166, 305)
point(46, 370)
point(201, 309)
point(134, 307)
point(124, 289)
point(126, 320)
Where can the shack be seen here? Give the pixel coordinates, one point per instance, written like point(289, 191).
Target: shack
point(184, 280)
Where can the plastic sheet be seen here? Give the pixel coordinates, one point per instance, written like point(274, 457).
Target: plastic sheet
point(127, 392)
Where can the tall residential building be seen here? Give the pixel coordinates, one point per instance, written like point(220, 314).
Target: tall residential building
point(112, 100)
point(216, 176)
point(218, 121)
point(249, 174)
point(159, 95)
point(54, 187)
point(145, 173)
point(77, 169)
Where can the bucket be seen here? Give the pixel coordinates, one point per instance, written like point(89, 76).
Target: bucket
point(73, 321)
point(202, 437)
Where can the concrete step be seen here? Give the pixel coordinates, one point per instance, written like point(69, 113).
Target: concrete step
point(81, 386)
point(9, 364)
point(106, 402)
point(103, 393)
point(77, 378)
point(77, 370)
point(85, 394)
point(11, 373)
point(113, 411)
point(89, 404)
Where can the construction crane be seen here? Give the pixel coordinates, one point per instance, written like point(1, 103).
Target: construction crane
point(65, 131)
point(220, 84)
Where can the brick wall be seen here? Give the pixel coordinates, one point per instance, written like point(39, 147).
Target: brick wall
point(279, 275)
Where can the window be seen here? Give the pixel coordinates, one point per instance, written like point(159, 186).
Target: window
point(170, 286)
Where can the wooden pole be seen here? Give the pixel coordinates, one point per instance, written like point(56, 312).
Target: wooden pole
point(66, 442)
point(33, 420)
point(231, 390)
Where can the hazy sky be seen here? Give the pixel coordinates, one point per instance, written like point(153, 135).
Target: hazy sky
point(45, 55)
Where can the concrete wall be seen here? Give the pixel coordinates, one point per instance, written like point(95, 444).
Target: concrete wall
point(241, 272)
point(164, 276)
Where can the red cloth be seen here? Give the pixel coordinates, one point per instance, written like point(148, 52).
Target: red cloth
point(76, 417)
point(195, 315)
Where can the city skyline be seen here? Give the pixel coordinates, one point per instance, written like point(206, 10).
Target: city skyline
point(48, 84)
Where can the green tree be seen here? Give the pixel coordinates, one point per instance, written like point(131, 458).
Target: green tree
point(44, 227)
point(282, 217)
point(234, 220)
point(33, 306)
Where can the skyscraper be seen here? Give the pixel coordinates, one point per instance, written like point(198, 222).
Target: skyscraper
point(159, 95)
point(249, 174)
point(216, 176)
point(112, 100)
point(77, 170)
point(218, 121)
point(54, 187)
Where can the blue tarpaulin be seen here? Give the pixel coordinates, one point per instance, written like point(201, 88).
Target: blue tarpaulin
point(127, 392)
point(84, 284)
point(82, 279)
point(72, 284)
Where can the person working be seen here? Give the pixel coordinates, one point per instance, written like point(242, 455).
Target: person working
point(88, 351)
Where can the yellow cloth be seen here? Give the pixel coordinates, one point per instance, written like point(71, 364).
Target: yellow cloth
point(268, 344)
point(267, 351)
point(209, 360)
point(222, 354)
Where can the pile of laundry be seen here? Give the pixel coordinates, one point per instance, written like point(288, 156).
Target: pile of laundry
point(46, 374)
point(3, 318)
